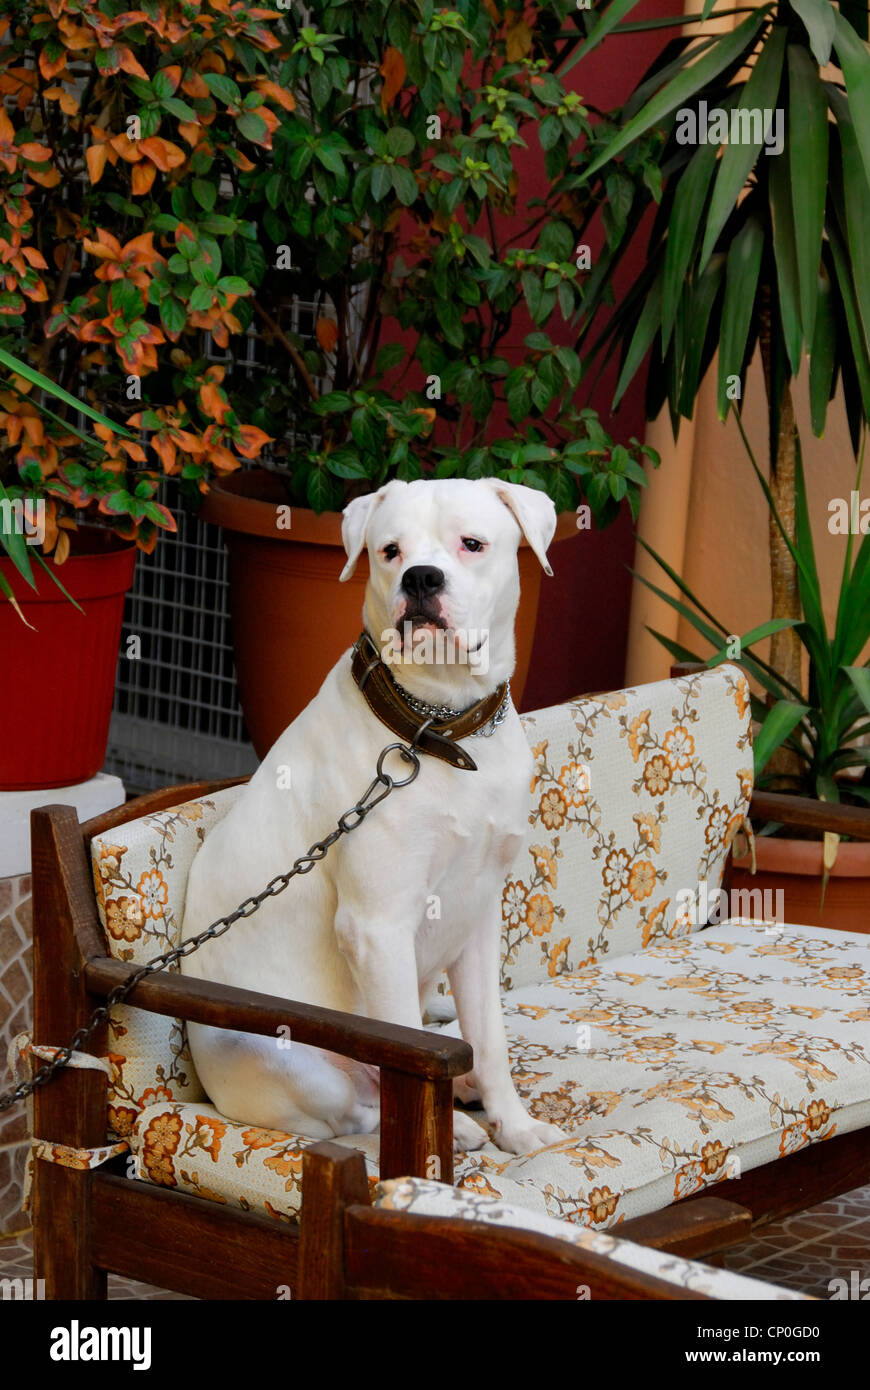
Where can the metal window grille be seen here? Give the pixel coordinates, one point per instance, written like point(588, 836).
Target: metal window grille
point(176, 715)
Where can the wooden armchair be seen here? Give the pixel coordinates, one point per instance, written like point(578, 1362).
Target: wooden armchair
point(90, 1221)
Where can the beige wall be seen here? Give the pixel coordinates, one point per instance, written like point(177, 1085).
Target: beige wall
point(706, 514)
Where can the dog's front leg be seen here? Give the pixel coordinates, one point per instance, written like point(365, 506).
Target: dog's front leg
point(382, 959)
point(474, 981)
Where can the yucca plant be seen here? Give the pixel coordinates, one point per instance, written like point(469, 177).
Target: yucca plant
point(747, 249)
point(823, 731)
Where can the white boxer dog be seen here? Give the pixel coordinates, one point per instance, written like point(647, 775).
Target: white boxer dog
point(358, 932)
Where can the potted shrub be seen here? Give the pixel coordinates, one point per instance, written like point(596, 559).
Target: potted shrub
point(762, 248)
point(89, 297)
point(60, 635)
point(405, 226)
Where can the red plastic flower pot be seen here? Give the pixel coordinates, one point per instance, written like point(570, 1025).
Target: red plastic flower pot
point(58, 680)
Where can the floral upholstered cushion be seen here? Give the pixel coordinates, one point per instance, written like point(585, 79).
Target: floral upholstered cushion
point(698, 1059)
point(419, 1197)
point(682, 1065)
point(196, 1149)
point(140, 878)
point(635, 795)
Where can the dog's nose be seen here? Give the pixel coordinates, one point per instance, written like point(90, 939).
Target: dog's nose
point(421, 581)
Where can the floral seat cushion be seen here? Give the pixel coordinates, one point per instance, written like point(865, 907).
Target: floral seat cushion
point(420, 1197)
point(698, 1059)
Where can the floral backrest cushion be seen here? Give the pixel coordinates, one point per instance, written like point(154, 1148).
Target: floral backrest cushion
point(422, 1197)
point(140, 876)
point(635, 800)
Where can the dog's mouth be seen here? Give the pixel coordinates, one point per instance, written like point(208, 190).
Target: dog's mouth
point(415, 620)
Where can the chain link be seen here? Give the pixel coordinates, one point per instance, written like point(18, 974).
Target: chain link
point(303, 865)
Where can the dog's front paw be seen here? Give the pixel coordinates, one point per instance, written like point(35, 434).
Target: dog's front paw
point(527, 1135)
point(467, 1133)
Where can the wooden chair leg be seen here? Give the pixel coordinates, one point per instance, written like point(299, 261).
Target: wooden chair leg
point(71, 1108)
point(333, 1178)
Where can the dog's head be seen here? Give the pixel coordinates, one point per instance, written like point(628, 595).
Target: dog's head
point(444, 586)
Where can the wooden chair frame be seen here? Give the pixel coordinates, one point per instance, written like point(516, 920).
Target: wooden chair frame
point(89, 1223)
point(350, 1250)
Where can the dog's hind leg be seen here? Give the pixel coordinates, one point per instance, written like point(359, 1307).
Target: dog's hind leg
point(276, 1083)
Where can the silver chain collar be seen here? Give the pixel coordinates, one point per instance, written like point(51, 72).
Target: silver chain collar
point(441, 712)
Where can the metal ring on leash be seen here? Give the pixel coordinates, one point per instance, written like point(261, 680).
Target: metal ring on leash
point(409, 753)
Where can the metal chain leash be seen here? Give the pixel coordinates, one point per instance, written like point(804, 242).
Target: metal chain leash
point(303, 865)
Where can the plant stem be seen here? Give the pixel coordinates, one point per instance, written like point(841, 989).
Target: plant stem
point(292, 352)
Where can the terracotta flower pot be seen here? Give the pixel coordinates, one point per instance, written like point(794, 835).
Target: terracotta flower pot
point(794, 867)
point(291, 617)
point(59, 679)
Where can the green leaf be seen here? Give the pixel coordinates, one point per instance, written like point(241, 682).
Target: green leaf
point(405, 185)
point(785, 255)
point(615, 11)
point(253, 127)
point(756, 634)
point(856, 197)
point(205, 193)
point(382, 181)
point(399, 141)
point(855, 62)
point(223, 87)
point(808, 168)
point(650, 318)
point(20, 368)
point(729, 46)
point(860, 353)
point(704, 295)
point(14, 542)
point(818, 20)
point(741, 279)
point(860, 678)
point(758, 96)
point(346, 463)
point(683, 224)
point(822, 356)
point(51, 571)
point(782, 719)
point(172, 314)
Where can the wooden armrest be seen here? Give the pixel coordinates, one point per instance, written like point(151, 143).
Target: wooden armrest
point(411, 1051)
point(817, 815)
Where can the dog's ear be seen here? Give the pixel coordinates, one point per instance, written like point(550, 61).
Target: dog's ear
point(534, 512)
point(354, 527)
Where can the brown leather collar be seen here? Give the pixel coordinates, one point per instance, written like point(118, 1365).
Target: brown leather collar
point(386, 700)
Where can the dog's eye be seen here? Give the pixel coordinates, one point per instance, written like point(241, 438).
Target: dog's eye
point(390, 551)
point(471, 544)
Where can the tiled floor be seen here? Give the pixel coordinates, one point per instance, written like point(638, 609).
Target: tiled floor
point(805, 1252)
point(810, 1250)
